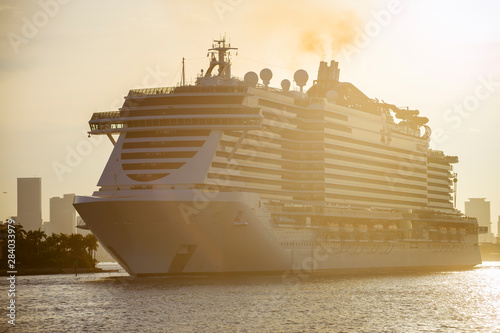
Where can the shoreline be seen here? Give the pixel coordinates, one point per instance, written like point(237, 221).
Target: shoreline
point(68, 271)
point(490, 251)
point(54, 271)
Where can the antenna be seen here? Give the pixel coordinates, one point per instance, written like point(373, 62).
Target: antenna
point(220, 58)
point(455, 181)
point(183, 77)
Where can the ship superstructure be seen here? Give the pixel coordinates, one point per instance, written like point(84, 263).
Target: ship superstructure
point(234, 176)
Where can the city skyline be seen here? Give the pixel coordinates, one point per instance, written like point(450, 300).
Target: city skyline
point(29, 203)
point(60, 211)
point(480, 208)
point(62, 215)
point(86, 57)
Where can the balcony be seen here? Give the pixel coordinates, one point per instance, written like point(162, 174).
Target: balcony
point(115, 122)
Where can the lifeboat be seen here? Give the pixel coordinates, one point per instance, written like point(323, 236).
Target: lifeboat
point(334, 226)
point(348, 227)
point(404, 114)
point(362, 227)
point(393, 227)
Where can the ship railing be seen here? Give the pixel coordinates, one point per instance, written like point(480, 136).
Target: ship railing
point(435, 153)
point(106, 115)
point(191, 89)
point(301, 102)
point(263, 87)
point(441, 155)
point(406, 131)
point(317, 100)
point(211, 89)
point(313, 204)
point(204, 88)
point(116, 125)
point(445, 219)
point(230, 111)
point(482, 230)
point(82, 225)
point(151, 91)
point(338, 212)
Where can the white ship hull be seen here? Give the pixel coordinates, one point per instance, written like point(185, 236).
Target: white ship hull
point(154, 236)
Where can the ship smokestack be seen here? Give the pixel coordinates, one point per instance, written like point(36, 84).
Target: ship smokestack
point(328, 77)
point(334, 66)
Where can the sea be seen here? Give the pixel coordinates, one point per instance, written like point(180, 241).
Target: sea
point(112, 301)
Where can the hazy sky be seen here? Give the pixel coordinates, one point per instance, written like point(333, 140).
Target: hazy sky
point(62, 60)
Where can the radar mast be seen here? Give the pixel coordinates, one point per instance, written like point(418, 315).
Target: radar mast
point(220, 56)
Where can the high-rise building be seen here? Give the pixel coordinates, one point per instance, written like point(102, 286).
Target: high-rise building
point(480, 209)
point(62, 215)
point(498, 227)
point(29, 203)
point(46, 227)
point(83, 232)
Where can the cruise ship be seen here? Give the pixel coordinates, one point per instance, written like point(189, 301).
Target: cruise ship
point(233, 176)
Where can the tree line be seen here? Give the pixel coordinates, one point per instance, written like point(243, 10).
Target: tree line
point(34, 249)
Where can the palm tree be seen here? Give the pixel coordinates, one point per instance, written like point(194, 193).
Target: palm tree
point(63, 242)
point(77, 248)
point(36, 237)
point(91, 244)
point(51, 250)
point(20, 232)
point(21, 244)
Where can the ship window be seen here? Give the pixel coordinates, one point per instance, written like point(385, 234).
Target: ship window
point(162, 144)
point(167, 154)
point(151, 166)
point(179, 100)
point(167, 133)
point(147, 177)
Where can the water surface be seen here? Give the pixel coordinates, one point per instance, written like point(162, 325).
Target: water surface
point(458, 301)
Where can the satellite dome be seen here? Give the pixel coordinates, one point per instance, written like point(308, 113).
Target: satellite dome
point(301, 77)
point(285, 85)
point(266, 75)
point(251, 79)
point(332, 96)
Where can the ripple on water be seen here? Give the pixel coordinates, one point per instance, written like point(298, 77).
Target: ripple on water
point(410, 302)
